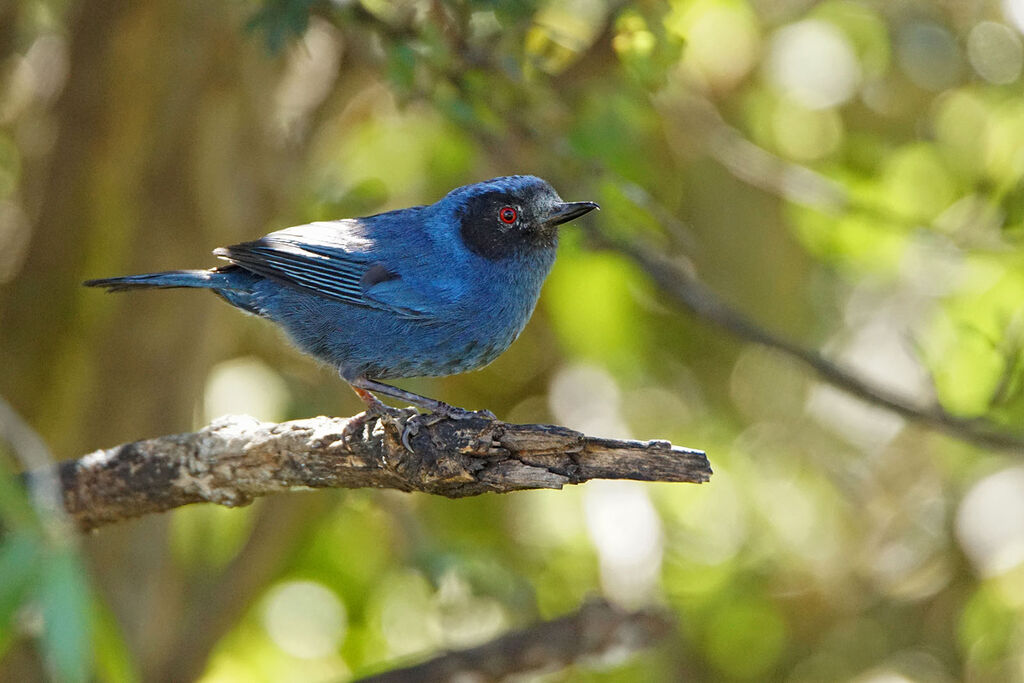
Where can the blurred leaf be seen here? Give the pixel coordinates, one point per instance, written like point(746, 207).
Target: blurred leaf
point(510, 12)
point(857, 243)
point(418, 152)
point(987, 626)
point(611, 124)
point(207, 537)
point(115, 662)
point(281, 21)
point(1005, 142)
point(745, 637)
point(962, 128)
point(705, 26)
point(600, 319)
point(970, 344)
point(806, 134)
point(402, 67)
point(19, 564)
point(917, 183)
point(644, 48)
point(15, 508)
point(66, 608)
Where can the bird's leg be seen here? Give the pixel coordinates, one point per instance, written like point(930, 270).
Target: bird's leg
point(375, 408)
point(433, 405)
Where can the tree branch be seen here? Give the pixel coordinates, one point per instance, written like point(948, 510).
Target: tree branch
point(597, 630)
point(683, 286)
point(237, 458)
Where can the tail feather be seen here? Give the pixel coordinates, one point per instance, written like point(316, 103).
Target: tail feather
point(165, 280)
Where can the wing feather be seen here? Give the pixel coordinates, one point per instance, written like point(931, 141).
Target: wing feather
point(318, 262)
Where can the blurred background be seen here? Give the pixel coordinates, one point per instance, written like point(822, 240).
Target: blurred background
point(846, 174)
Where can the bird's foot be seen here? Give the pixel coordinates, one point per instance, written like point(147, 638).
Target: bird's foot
point(441, 413)
point(383, 413)
point(354, 427)
point(408, 419)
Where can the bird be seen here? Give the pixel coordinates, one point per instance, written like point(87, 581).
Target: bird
point(428, 290)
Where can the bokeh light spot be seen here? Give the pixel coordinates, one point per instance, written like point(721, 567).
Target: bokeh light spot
point(245, 386)
point(1014, 11)
point(305, 619)
point(995, 52)
point(626, 530)
point(990, 522)
point(806, 134)
point(814, 63)
point(929, 56)
point(706, 27)
point(586, 398)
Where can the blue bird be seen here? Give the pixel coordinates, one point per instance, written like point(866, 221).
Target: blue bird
point(424, 291)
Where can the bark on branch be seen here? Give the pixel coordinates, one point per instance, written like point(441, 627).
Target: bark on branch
point(598, 630)
point(238, 458)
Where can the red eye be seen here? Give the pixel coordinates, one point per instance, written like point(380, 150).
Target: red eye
point(508, 215)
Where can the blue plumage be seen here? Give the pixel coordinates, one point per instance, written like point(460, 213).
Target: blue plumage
point(428, 290)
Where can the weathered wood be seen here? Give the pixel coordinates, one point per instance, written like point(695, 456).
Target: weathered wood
point(237, 458)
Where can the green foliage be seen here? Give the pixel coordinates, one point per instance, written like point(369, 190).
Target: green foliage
point(41, 572)
point(115, 662)
point(281, 22)
point(63, 595)
point(848, 174)
point(745, 638)
point(608, 304)
point(987, 626)
point(19, 563)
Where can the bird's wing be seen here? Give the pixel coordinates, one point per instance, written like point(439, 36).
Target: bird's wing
point(336, 261)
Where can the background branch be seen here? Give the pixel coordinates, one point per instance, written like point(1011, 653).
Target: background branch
point(238, 458)
point(683, 286)
point(597, 630)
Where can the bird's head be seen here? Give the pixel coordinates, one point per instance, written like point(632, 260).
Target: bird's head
point(505, 216)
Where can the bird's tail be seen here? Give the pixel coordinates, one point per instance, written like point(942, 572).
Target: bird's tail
point(206, 279)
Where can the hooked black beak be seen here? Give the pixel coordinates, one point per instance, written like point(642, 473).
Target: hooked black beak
point(568, 211)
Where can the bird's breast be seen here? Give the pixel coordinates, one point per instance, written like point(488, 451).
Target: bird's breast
point(483, 321)
point(469, 330)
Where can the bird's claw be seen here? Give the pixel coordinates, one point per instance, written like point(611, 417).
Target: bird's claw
point(407, 419)
point(447, 412)
point(384, 413)
point(411, 429)
point(410, 424)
